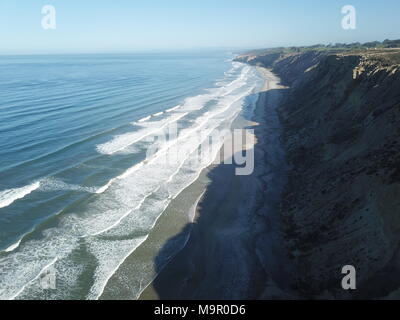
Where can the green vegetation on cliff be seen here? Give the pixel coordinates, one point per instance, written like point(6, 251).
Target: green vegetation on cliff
point(338, 47)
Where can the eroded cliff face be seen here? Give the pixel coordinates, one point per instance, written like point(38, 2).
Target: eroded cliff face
point(341, 205)
point(290, 67)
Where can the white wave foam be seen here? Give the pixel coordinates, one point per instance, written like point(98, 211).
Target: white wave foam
point(148, 129)
point(189, 141)
point(112, 224)
point(13, 246)
point(107, 267)
point(126, 190)
point(225, 103)
point(158, 114)
point(53, 184)
point(20, 269)
point(144, 119)
point(7, 197)
point(172, 109)
point(46, 267)
point(99, 247)
point(134, 220)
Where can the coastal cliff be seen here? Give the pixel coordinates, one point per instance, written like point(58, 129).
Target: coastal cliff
point(341, 136)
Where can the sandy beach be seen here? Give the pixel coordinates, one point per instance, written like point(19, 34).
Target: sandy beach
point(210, 241)
point(219, 258)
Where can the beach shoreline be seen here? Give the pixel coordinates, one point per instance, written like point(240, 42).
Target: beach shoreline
point(208, 222)
point(226, 227)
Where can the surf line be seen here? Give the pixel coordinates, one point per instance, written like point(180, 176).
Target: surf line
point(158, 114)
point(119, 220)
point(103, 286)
point(144, 135)
point(7, 197)
point(13, 246)
point(96, 296)
point(34, 279)
point(168, 145)
point(143, 239)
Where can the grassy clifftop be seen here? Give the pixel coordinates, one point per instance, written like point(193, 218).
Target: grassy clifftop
point(290, 63)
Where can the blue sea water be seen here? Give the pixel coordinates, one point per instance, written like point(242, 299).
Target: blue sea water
point(75, 190)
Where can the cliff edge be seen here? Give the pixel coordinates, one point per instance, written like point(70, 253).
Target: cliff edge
point(341, 204)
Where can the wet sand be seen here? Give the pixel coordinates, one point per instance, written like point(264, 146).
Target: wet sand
point(220, 256)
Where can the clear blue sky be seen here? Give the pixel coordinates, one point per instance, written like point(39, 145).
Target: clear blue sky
point(132, 25)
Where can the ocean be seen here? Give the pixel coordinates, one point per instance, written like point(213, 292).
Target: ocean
point(79, 190)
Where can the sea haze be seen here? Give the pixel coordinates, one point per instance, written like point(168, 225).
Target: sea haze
point(75, 192)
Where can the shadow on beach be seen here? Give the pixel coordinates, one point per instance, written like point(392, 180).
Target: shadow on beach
point(233, 248)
